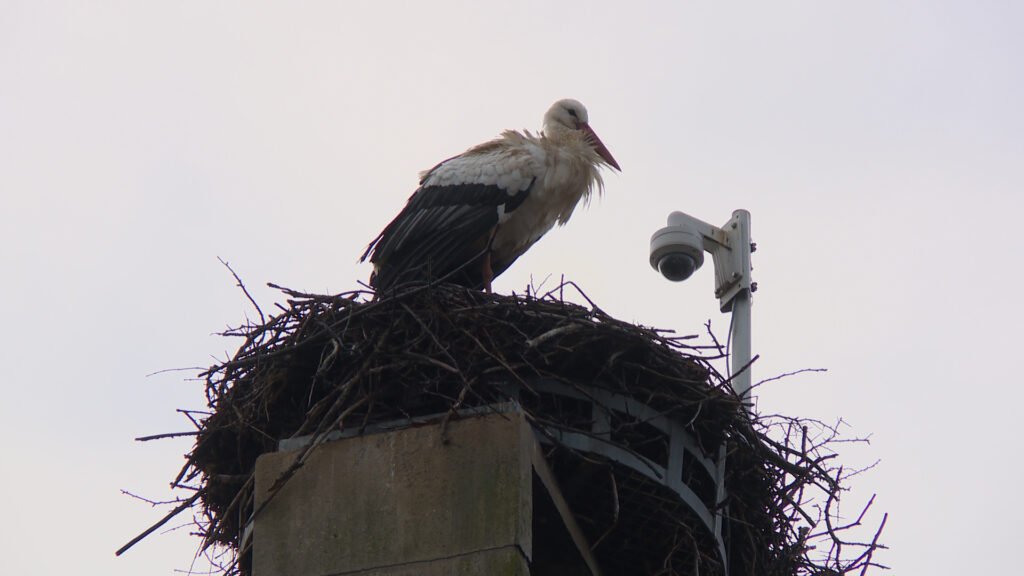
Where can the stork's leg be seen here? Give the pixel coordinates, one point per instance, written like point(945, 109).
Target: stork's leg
point(486, 272)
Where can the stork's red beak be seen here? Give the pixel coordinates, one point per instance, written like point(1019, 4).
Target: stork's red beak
point(599, 146)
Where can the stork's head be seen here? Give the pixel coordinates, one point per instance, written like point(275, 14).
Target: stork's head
point(572, 115)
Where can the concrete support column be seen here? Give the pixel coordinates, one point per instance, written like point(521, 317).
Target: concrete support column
point(402, 503)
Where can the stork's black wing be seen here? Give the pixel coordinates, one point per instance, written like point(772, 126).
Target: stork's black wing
point(442, 233)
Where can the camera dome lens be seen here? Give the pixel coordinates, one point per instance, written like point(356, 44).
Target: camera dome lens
point(676, 266)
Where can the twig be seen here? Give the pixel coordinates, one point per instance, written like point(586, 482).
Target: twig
point(184, 505)
point(559, 331)
point(168, 435)
point(263, 319)
point(153, 503)
point(787, 374)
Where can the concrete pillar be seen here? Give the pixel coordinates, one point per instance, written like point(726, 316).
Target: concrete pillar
point(402, 503)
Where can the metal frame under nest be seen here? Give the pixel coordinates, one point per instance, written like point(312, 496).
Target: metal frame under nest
point(636, 505)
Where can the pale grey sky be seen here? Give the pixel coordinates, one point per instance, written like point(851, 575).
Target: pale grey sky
point(877, 144)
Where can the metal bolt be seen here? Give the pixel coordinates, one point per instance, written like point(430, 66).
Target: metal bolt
point(753, 247)
point(753, 287)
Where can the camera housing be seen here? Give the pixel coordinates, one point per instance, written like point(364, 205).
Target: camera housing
point(677, 251)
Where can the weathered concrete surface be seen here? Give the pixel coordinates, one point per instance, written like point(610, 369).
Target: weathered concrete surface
point(500, 562)
point(402, 503)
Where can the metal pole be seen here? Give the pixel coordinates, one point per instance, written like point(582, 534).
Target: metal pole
point(740, 368)
point(741, 345)
point(741, 304)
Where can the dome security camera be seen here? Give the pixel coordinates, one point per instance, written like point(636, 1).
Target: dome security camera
point(677, 251)
point(677, 266)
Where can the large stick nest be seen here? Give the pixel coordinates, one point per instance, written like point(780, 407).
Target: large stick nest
point(333, 363)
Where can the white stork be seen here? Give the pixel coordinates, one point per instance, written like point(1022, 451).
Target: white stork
point(474, 214)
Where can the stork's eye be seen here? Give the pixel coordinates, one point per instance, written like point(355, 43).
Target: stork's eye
point(572, 112)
